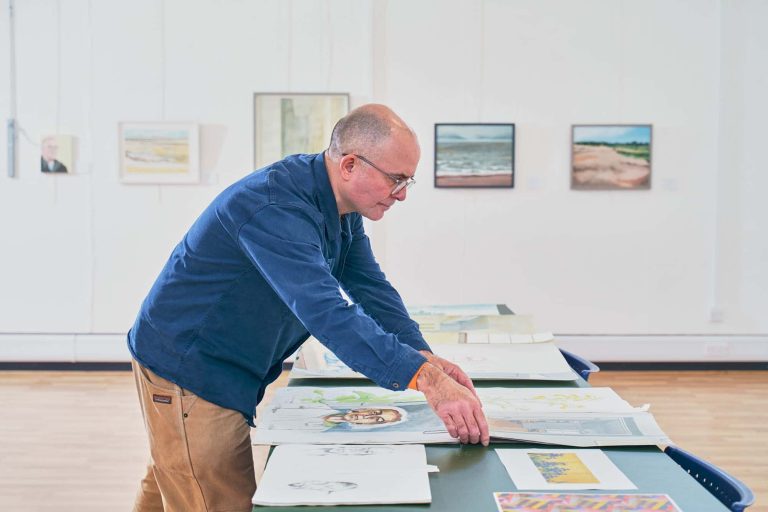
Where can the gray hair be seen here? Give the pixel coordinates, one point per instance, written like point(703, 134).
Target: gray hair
point(359, 131)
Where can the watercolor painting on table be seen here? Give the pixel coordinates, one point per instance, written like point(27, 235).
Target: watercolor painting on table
point(549, 502)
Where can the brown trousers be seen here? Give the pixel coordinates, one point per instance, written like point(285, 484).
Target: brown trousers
point(201, 457)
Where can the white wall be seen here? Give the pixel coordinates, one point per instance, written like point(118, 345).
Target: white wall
point(78, 253)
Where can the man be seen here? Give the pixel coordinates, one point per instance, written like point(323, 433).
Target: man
point(257, 272)
point(49, 152)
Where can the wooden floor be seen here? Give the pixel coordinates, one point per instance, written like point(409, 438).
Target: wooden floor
point(74, 441)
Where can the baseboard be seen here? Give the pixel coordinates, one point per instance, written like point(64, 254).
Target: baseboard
point(635, 349)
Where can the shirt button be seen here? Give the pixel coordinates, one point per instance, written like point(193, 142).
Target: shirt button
point(396, 385)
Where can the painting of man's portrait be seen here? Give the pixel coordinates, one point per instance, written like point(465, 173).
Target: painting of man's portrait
point(56, 154)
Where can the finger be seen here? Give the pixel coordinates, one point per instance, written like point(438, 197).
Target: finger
point(482, 423)
point(461, 427)
point(450, 425)
point(465, 381)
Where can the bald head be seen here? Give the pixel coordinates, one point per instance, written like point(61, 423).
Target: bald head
point(367, 129)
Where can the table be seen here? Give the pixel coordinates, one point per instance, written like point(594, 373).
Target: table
point(469, 475)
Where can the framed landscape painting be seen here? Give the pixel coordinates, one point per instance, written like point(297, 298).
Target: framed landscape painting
point(474, 155)
point(289, 123)
point(158, 153)
point(611, 157)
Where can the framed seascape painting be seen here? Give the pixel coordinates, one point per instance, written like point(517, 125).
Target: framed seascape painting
point(611, 157)
point(289, 123)
point(474, 155)
point(158, 153)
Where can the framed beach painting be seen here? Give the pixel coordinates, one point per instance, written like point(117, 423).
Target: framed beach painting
point(474, 155)
point(289, 123)
point(611, 157)
point(159, 153)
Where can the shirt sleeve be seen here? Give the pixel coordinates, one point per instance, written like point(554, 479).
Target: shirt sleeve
point(285, 245)
point(367, 285)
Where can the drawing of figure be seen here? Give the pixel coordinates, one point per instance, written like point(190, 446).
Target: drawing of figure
point(323, 486)
point(367, 417)
point(346, 450)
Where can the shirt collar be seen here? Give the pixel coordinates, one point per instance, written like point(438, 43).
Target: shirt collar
point(326, 199)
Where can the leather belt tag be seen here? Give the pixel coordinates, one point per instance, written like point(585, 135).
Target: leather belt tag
point(161, 399)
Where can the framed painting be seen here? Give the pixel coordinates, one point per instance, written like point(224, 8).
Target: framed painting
point(289, 123)
point(474, 155)
point(159, 153)
point(611, 157)
point(57, 154)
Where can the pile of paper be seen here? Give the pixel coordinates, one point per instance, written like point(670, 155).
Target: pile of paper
point(509, 361)
point(344, 475)
point(562, 416)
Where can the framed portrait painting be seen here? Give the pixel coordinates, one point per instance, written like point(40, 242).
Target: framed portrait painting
point(158, 153)
point(289, 123)
point(474, 155)
point(57, 155)
point(611, 157)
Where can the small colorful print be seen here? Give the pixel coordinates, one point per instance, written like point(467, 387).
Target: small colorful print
point(558, 502)
point(562, 468)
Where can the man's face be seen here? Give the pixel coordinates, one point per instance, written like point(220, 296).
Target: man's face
point(370, 416)
point(370, 190)
point(50, 149)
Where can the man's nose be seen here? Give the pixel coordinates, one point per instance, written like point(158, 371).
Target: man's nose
point(400, 196)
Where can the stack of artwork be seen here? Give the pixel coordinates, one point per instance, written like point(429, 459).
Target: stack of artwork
point(488, 361)
point(579, 417)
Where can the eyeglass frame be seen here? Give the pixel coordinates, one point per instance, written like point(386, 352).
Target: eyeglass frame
point(400, 183)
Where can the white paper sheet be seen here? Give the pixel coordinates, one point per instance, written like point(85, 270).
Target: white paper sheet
point(344, 475)
point(562, 470)
point(453, 309)
point(364, 415)
point(531, 361)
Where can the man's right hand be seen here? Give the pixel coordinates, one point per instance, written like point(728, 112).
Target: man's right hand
point(459, 409)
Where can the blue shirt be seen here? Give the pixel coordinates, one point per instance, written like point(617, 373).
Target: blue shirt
point(257, 272)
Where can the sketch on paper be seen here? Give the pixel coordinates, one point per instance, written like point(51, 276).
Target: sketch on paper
point(288, 123)
point(474, 155)
point(570, 429)
point(611, 157)
point(552, 400)
point(349, 415)
point(159, 153)
point(562, 469)
point(57, 154)
point(301, 475)
point(550, 502)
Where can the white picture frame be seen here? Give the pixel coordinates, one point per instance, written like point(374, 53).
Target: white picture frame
point(159, 153)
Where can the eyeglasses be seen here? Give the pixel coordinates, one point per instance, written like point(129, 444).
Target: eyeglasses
point(399, 181)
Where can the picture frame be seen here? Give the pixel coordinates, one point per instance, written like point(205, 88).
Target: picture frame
point(159, 153)
point(474, 155)
point(611, 156)
point(289, 123)
point(57, 154)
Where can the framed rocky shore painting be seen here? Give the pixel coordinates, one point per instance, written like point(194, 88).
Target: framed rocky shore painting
point(474, 155)
point(611, 157)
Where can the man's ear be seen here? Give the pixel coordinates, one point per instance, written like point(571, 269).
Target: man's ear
point(346, 166)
